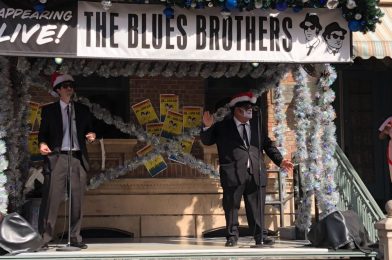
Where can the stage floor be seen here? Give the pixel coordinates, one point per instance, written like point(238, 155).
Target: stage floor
point(189, 248)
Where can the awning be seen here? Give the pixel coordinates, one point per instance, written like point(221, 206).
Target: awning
point(375, 44)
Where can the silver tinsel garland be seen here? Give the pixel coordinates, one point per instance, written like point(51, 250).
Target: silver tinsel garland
point(5, 127)
point(302, 113)
point(329, 195)
point(280, 130)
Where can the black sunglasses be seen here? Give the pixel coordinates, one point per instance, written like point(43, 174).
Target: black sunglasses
point(67, 85)
point(312, 27)
point(335, 36)
point(247, 106)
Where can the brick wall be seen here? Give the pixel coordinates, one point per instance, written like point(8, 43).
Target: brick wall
point(40, 95)
point(189, 90)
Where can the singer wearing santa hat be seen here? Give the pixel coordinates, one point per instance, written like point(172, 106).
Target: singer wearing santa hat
point(237, 141)
point(55, 144)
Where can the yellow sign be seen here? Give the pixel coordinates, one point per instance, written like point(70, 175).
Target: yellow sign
point(34, 107)
point(154, 128)
point(38, 120)
point(33, 143)
point(172, 125)
point(167, 102)
point(145, 112)
point(156, 164)
point(192, 116)
point(186, 147)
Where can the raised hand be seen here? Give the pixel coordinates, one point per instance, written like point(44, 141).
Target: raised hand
point(208, 119)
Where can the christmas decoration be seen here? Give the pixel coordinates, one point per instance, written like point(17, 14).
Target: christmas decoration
point(5, 119)
point(302, 113)
point(279, 131)
point(314, 122)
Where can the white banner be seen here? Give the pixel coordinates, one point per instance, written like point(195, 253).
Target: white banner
point(131, 31)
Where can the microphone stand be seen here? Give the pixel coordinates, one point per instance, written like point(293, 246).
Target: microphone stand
point(260, 197)
point(68, 247)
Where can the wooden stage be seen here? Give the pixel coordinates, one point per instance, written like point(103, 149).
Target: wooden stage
point(191, 248)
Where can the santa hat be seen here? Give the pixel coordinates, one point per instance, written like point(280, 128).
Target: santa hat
point(243, 97)
point(58, 78)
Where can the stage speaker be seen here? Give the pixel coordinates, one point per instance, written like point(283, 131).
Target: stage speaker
point(18, 236)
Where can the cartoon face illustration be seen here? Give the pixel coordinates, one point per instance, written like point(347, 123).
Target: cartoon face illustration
point(168, 106)
point(334, 36)
point(172, 124)
point(312, 28)
point(144, 113)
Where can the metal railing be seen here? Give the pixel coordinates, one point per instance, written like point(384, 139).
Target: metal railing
point(355, 196)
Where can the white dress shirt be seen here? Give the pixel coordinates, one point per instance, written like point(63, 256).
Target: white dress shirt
point(66, 140)
point(240, 129)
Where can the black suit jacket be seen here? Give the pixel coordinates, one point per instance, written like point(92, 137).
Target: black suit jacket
point(51, 128)
point(233, 154)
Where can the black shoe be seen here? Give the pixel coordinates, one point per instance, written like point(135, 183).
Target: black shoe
point(266, 241)
point(81, 245)
point(44, 247)
point(231, 242)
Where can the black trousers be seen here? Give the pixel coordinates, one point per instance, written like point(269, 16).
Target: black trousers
point(231, 204)
point(55, 194)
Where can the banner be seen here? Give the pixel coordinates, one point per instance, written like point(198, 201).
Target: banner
point(167, 102)
point(26, 32)
point(142, 32)
point(155, 165)
point(145, 112)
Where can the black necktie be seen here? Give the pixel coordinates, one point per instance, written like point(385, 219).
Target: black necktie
point(245, 135)
point(310, 50)
point(69, 126)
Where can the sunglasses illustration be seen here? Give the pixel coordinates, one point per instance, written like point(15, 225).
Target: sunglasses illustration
point(335, 36)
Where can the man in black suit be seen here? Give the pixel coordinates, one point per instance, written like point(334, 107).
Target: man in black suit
point(236, 138)
point(55, 144)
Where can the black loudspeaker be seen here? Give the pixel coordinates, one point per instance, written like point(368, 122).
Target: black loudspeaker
point(340, 230)
point(18, 236)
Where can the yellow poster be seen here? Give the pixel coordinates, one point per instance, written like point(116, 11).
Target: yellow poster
point(186, 146)
point(33, 143)
point(154, 128)
point(156, 164)
point(38, 119)
point(145, 112)
point(172, 125)
point(192, 116)
point(34, 107)
point(167, 102)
